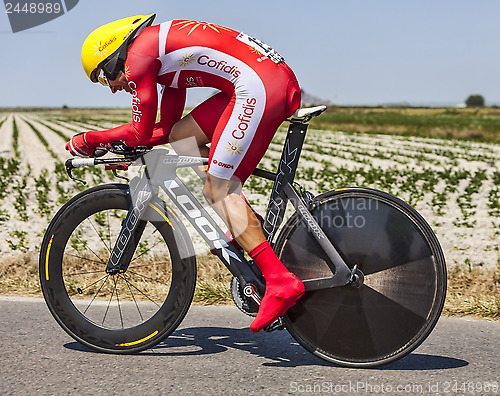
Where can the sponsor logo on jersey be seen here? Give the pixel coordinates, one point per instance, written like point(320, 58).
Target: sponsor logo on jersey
point(186, 60)
point(244, 118)
point(254, 50)
point(127, 72)
point(190, 82)
point(136, 112)
point(222, 164)
point(196, 24)
point(194, 82)
point(100, 47)
point(234, 148)
point(222, 65)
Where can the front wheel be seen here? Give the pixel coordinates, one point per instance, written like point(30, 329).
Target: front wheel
point(404, 287)
point(130, 311)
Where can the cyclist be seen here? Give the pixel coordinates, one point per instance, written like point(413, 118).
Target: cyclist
point(258, 91)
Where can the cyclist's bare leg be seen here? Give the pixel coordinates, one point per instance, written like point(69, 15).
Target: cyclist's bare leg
point(282, 287)
point(223, 196)
point(187, 138)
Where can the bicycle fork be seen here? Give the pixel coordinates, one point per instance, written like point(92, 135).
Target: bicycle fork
point(132, 229)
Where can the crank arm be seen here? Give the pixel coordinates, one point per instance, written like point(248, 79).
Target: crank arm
point(319, 283)
point(250, 291)
point(356, 279)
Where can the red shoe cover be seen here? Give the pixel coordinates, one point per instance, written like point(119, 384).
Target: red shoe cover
point(279, 296)
point(283, 288)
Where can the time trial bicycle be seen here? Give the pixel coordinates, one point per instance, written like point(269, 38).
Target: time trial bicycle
point(118, 267)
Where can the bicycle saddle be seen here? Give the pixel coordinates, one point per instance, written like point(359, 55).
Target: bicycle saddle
point(309, 112)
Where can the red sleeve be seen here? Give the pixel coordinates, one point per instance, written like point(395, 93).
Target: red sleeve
point(171, 108)
point(142, 73)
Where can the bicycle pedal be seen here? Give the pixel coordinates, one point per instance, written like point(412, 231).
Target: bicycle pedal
point(276, 325)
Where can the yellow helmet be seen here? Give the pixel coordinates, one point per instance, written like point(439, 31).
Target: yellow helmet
point(106, 47)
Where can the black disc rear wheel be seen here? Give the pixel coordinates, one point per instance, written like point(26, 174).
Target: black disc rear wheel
point(404, 286)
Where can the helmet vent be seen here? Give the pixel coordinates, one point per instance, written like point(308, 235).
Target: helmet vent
point(137, 20)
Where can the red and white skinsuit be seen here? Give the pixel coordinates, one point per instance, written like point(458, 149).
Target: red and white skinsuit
point(258, 92)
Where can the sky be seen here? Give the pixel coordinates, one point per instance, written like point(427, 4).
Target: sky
point(349, 52)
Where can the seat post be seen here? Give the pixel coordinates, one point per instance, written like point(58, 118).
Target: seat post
point(284, 176)
point(287, 168)
point(291, 151)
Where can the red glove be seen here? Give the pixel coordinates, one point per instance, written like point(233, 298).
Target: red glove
point(78, 146)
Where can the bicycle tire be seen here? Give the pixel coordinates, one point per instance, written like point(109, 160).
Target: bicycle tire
point(404, 287)
point(139, 308)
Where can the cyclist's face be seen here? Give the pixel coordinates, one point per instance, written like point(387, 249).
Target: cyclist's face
point(119, 83)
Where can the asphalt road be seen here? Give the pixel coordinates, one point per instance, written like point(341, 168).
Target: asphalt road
point(214, 352)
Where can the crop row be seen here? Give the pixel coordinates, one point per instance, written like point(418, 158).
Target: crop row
point(405, 154)
point(455, 183)
point(29, 199)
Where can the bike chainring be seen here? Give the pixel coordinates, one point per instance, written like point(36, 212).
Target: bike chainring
point(244, 303)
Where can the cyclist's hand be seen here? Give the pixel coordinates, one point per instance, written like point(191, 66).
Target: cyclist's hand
point(78, 146)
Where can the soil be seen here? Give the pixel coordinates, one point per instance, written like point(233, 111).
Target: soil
point(475, 247)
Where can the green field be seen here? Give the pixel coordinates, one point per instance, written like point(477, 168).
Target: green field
point(482, 124)
point(445, 162)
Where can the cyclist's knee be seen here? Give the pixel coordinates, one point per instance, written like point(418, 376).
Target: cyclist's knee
point(187, 128)
point(214, 193)
point(187, 138)
point(216, 189)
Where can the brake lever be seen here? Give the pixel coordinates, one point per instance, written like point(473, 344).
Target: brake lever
point(69, 168)
point(117, 167)
point(130, 154)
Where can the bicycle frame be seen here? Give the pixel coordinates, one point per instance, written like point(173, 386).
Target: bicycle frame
point(394, 245)
point(160, 172)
